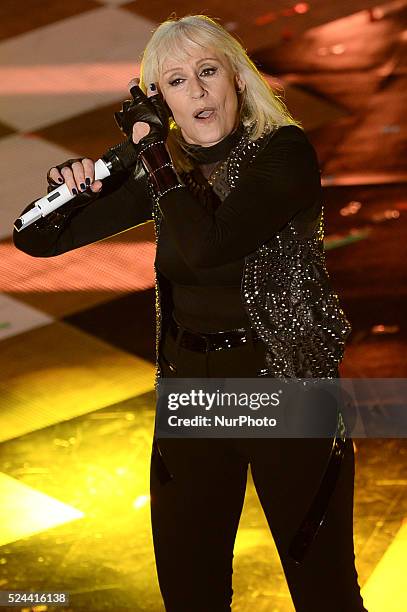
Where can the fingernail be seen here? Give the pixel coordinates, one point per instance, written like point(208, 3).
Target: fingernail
point(74, 191)
point(152, 87)
point(83, 186)
point(87, 181)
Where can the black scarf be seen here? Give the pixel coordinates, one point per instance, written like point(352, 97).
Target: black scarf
point(217, 152)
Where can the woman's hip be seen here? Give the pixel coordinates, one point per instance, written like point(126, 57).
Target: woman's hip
point(239, 354)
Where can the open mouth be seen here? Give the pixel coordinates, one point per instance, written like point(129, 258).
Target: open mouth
point(204, 114)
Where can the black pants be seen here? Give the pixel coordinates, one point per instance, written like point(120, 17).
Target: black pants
point(195, 516)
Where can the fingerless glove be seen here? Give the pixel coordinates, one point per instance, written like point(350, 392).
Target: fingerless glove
point(151, 149)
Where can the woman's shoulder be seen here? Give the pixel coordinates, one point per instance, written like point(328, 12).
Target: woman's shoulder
point(289, 160)
point(288, 139)
point(287, 133)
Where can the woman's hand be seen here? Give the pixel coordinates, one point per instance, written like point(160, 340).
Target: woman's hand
point(78, 174)
point(144, 119)
point(140, 129)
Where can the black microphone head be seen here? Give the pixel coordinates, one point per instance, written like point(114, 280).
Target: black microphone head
point(122, 156)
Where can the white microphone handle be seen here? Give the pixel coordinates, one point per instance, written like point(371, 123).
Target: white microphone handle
point(56, 198)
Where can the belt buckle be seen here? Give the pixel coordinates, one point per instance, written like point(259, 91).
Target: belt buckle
point(231, 339)
point(194, 341)
point(211, 341)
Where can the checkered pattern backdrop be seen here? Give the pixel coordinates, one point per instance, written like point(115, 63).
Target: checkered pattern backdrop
point(77, 331)
point(64, 69)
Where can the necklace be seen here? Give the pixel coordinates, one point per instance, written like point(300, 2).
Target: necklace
point(216, 172)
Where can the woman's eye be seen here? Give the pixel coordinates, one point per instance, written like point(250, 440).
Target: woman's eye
point(208, 71)
point(204, 72)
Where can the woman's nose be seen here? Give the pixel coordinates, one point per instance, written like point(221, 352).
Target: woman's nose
point(196, 89)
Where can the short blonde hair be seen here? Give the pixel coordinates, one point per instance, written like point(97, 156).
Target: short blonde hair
point(261, 109)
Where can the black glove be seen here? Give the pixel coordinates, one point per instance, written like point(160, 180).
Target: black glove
point(151, 149)
point(151, 110)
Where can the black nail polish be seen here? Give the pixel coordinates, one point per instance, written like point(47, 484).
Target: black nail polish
point(153, 87)
point(87, 181)
point(83, 186)
point(74, 191)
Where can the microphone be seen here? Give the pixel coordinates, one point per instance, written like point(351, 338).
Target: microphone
point(121, 157)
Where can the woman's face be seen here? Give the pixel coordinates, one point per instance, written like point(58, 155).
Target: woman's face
point(201, 93)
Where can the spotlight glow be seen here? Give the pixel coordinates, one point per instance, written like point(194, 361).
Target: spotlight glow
point(141, 501)
point(301, 8)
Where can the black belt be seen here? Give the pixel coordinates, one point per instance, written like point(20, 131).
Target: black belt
point(211, 341)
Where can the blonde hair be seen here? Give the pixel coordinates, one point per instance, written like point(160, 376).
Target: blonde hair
point(261, 109)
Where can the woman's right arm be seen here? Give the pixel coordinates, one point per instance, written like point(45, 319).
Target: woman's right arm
point(123, 203)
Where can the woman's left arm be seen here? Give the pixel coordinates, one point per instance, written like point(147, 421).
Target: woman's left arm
point(282, 180)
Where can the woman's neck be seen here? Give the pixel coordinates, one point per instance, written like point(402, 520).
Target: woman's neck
point(217, 152)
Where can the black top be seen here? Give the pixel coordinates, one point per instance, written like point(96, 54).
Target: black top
point(202, 243)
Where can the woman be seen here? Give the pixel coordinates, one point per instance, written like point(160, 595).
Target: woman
point(233, 186)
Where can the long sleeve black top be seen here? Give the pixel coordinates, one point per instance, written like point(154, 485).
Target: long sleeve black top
point(202, 245)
